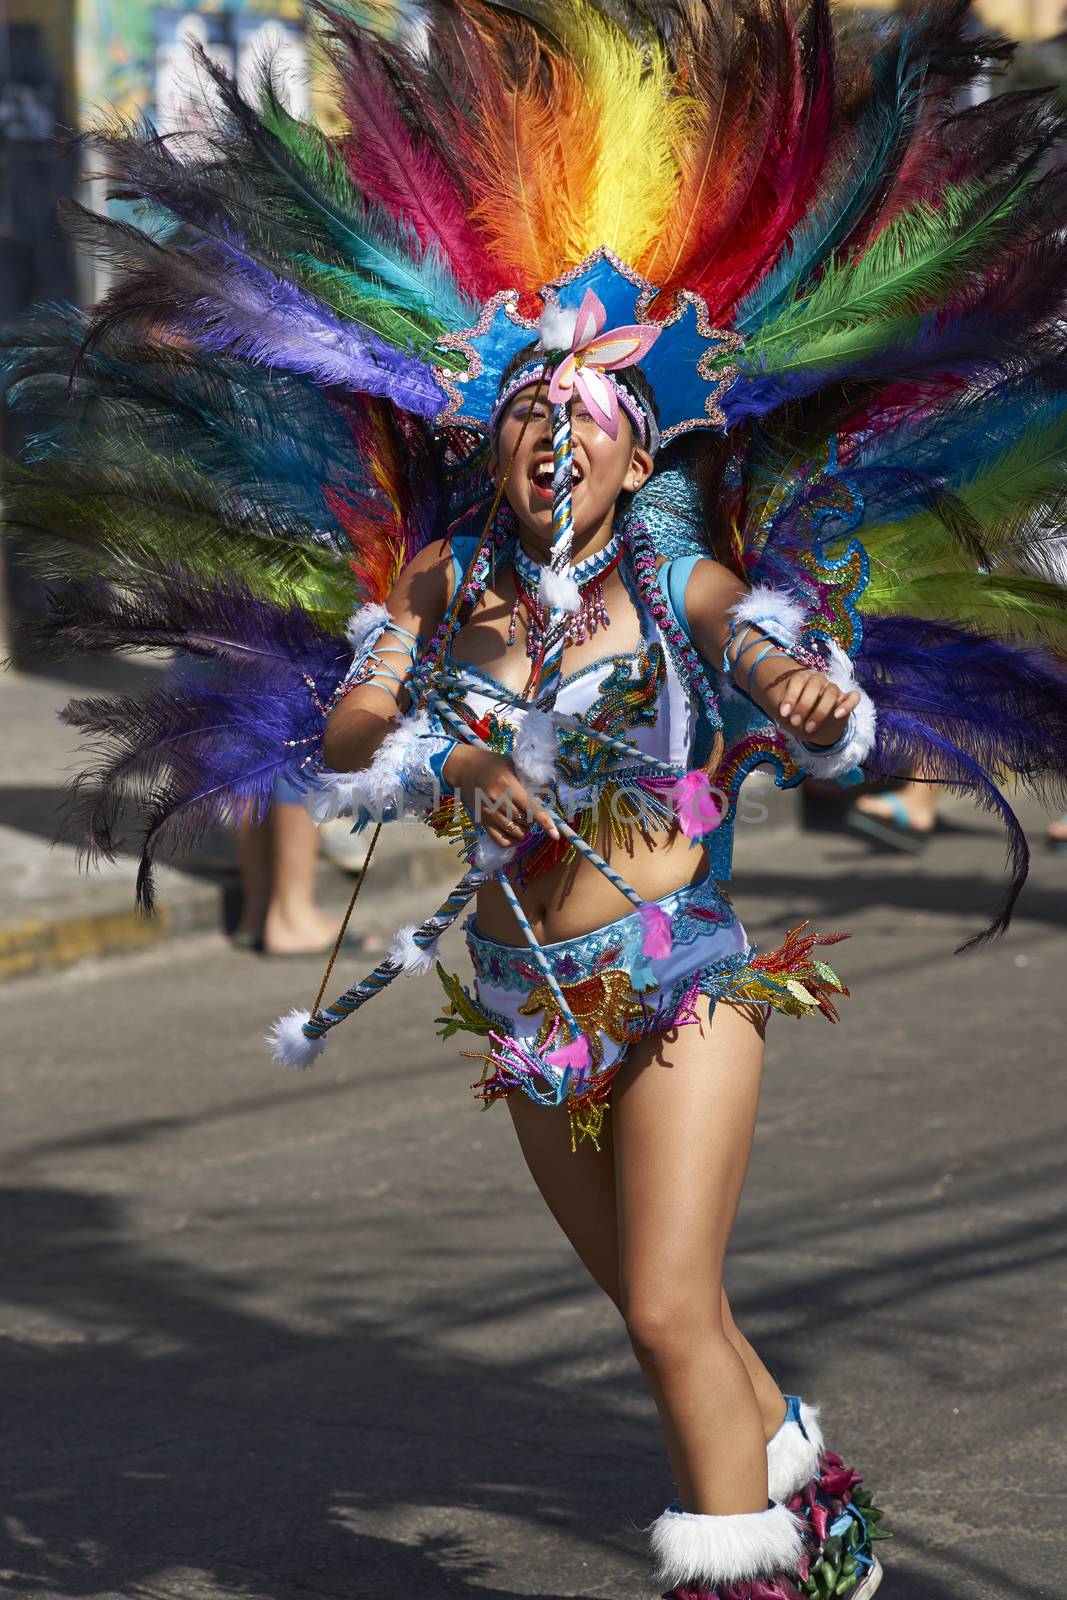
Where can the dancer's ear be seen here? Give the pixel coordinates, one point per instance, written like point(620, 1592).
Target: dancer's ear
point(639, 471)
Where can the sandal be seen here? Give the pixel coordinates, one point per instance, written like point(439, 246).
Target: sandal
point(897, 832)
point(1057, 846)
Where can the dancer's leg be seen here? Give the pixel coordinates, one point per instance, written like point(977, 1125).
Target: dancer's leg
point(294, 924)
point(684, 1113)
point(254, 859)
point(578, 1186)
point(579, 1189)
point(769, 1396)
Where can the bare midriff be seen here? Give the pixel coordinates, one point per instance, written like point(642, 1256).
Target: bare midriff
point(570, 900)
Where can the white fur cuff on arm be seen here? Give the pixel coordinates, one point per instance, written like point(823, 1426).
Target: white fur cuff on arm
point(780, 616)
point(857, 740)
point(383, 786)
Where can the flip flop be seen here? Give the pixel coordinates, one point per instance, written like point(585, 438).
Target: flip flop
point(895, 832)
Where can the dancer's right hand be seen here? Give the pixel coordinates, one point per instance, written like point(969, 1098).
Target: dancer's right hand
point(495, 795)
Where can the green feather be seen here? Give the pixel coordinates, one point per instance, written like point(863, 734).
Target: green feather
point(122, 534)
point(368, 304)
point(919, 568)
point(924, 258)
point(380, 248)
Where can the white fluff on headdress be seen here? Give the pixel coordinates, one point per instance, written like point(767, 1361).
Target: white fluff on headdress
point(409, 955)
point(365, 621)
point(792, 1459)
point(535, 748)
point(488, 855)
point(859, 731)
point(558, 591)
point(777, 612)
point(289, 1043)
point(556, 327)
point(414, 37)
point(705, 1551)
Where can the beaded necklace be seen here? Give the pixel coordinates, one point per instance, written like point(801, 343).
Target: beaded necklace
point(591, 614)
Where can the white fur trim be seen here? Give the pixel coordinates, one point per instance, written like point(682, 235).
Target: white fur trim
point(792, 1460)
point(290, 1045)
point(774, 609)
point(558, 591)
point(365, 621)
point(331, 797)
point(705, 1551)
point(535, 748)
point(409, 955)
point(556, 327)
point(489, 856)
point(379, 786)
point(861, 726)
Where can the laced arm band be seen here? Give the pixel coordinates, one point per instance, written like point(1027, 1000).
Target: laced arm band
point(767, 623)
point(744, 637)
point(373, 667)
point(406, 772)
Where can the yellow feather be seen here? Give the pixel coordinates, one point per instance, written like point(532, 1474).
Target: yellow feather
point(643, 121)
point(585, 149)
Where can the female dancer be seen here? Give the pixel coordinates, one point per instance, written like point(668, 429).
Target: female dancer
point(632, 284)
point(650, 1212)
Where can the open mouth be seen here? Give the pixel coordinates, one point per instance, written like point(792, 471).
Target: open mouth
point(541, 478)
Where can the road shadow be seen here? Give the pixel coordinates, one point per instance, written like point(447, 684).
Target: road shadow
point(158, 1423)
point(210, 1439)
point(856, 885)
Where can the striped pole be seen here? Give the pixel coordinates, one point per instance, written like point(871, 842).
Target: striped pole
point(584, 848)
point(538, 954)
point(387, 970)
point(546, 675)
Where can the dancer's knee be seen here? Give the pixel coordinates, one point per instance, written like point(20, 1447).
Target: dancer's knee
point(668, 1326)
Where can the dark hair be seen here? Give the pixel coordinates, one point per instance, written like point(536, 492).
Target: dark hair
point(631, 378)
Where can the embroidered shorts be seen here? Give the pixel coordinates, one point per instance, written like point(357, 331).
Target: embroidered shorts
point(617, 995)
point(594, 972)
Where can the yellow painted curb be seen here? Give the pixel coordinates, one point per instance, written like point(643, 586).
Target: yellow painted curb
point(47, 946)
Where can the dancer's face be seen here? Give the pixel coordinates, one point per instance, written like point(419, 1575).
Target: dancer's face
point(603, 467)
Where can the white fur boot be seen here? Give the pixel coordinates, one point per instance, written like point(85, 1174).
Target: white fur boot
point(793, 1453)
point(705, 1554)
point(793, 1461)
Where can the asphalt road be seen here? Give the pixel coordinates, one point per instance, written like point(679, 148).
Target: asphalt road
point(282, 1336)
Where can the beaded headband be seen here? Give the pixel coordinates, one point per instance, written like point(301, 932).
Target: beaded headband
point(645, 424)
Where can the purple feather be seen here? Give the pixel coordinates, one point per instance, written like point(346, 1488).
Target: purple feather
point(253, 313)
point(217, 296)
point(959, 706)
point(209, 746)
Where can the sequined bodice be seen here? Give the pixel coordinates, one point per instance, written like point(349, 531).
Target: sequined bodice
point(637, 696)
